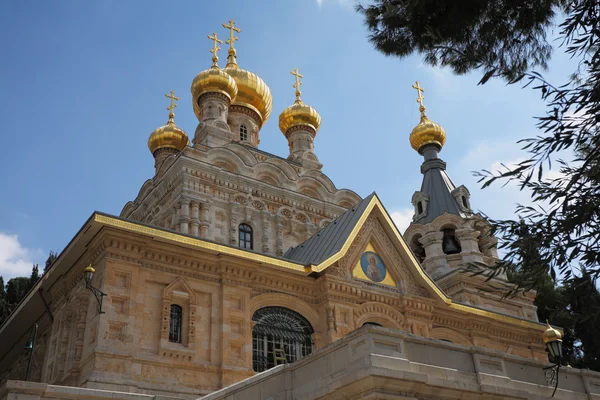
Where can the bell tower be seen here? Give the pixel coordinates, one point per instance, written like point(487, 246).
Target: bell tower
point(446, 234)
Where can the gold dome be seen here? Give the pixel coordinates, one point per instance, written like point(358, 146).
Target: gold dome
point(168, 136)
point(253, 92)
point(551, 334)
point(299, 114)
point(427, 132)
point(212, 80)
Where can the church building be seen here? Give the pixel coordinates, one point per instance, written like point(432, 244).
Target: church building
point(239, 274)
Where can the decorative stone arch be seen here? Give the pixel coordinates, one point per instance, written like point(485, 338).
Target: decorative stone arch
point(287, 301)
point(450, 335)
point(127, 210)
point(447, 220)
point(243, 153)
point(270, 173)
point(180, 293)
point(323, 179)
point(166, 164)
point(380, 313)
point(289, 172)
point(312, 187)
point(346, 198)
point(225, 158)
point(145, 190)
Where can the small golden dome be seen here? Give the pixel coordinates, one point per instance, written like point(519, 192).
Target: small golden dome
point(551, 334)
point(299, 114)
point(253, 92)
point(212, 80)
point(168, 136)
point(427, 132)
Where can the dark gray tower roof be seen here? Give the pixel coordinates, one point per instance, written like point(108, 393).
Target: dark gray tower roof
point(439, 190)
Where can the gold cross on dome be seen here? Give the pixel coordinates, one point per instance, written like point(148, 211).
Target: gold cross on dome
point(232, 29)
point(173, 100)
point(215, 47)
point(420, 97)
point(298, 76)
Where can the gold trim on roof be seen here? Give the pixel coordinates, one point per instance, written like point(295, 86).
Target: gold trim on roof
point(179, 238)
point(264, 259)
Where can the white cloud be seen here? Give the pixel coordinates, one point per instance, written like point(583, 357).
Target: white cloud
point(16, 260)
point(402, 218)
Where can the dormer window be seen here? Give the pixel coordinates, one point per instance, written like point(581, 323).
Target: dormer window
point(419, 208)
point(419, 201)
point(464, 201)
point(243, 133)
point(462, 197)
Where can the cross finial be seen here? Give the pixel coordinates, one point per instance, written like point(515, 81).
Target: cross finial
point(298, 82)
point(215, 48)
point(232, 29)
point(420, 97)
point(172, 105)
point(231, 62)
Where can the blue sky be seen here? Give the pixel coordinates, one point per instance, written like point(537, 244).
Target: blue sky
point(83, 86)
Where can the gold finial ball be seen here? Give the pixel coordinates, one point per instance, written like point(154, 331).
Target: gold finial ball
point(427, 132)
point(551, 334)
point(299, 114)
point(168, 136)
point(213, 80)
point(89, 268)
point(253, 92)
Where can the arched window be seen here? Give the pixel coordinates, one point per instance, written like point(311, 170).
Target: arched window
point(243, 133)
point(279, 332)
point(246, 241)
point(175, 324)
point(450, 244)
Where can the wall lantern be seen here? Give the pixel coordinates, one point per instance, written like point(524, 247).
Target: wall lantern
point(553, 340)
point(88, 275)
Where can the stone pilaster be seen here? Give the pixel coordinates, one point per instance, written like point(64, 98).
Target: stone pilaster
point(184, 216)
point(279, 235)
point(435, 262)
point(204, 220)
point(265, 231)
point(195, 219)
point(469, 245)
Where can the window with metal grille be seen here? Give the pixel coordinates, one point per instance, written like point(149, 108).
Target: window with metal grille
point(243, 132)
point(279, 328)
point(246, 241)
point(175, 324)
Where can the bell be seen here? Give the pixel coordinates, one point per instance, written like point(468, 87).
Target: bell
point(450, 244)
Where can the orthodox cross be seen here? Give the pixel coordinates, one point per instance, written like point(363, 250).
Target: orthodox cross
point(215, 48)
point(298, 83)
point(232, 29)
point(420, 97)
point(172, 105)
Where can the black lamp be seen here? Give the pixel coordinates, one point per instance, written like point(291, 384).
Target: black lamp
point(88, 275)
point(553, 340)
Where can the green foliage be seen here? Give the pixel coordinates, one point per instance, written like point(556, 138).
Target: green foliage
point(52, 257)
point(555, 240)
point(15, 291)
point(507, 36)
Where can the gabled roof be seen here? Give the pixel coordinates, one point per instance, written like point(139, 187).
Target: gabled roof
point(438, 186)
point(329, 240)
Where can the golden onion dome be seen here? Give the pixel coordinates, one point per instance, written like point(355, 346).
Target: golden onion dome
point(427, 132)
point(551, 334)
point(253, 92)
point(299, 114)
point(212, 80)
point(168, 136)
